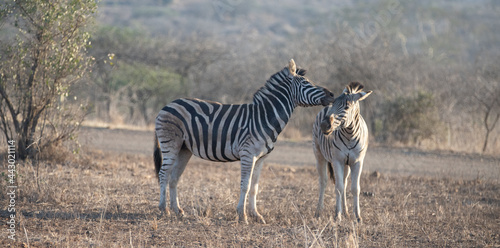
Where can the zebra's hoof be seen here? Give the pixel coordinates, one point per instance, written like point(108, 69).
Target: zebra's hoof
point(164, 212)
point(243, 220)
point(317, 214)
point(338, 218)
point(259, 218)
point(179, 212)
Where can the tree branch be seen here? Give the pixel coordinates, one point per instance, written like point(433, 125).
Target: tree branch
point(9, 105)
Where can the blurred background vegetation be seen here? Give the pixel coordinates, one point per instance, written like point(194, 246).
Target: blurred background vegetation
point(433, 65)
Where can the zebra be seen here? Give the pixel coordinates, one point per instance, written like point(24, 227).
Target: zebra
point(230, 132)
point(340, 138)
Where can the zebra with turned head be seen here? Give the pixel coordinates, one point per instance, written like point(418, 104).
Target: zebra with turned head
point(340, 139)
point(230, 132)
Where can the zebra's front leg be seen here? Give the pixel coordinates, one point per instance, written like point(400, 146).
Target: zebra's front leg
point(322, 167)
point(254, 190)
point(347, 171)
point(247, 166)
point(338, 169)
point(355, 188)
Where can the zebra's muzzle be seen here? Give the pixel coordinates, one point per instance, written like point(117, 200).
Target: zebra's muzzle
point(328, 98)
point(326, 127)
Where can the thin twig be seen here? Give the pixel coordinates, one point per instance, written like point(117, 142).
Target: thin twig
point(26, 234)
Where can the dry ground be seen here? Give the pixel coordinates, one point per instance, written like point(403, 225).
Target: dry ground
point(109, 199)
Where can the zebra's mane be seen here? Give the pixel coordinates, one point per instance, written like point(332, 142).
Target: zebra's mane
point(301, 72)
point(354, 87)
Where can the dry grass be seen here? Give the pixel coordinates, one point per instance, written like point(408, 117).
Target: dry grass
point(110, 200)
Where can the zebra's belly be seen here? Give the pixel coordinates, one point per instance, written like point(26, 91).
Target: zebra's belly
point(343, 156)
point(225, 155)
point(337, 151)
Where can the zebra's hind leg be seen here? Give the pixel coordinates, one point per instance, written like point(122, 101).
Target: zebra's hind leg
point(170, 143)
point(254, 190)
point(179, 166)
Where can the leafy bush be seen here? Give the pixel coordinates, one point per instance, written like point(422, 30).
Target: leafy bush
point(45, 56)
point(146, 89)
point(409, 119)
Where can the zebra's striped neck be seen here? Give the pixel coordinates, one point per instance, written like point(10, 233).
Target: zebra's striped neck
point(273, 104)
point(352, 129)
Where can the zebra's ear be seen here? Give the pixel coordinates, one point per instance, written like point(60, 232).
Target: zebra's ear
point(292, 68)
point(361, 95)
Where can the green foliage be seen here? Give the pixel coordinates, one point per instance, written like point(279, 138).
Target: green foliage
point(409, 119)
point(45, 56)
point(112, 37)
point(152, 11)
point(148, 81)
point(146, 87)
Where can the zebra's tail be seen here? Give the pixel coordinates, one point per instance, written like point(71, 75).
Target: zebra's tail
point(330, 172)
point(157, 157)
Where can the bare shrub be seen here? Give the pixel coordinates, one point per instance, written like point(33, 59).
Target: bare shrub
point(487, 95)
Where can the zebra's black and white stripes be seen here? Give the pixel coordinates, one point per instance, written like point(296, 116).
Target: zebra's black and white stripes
point(340, 138)
point(230, 132)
